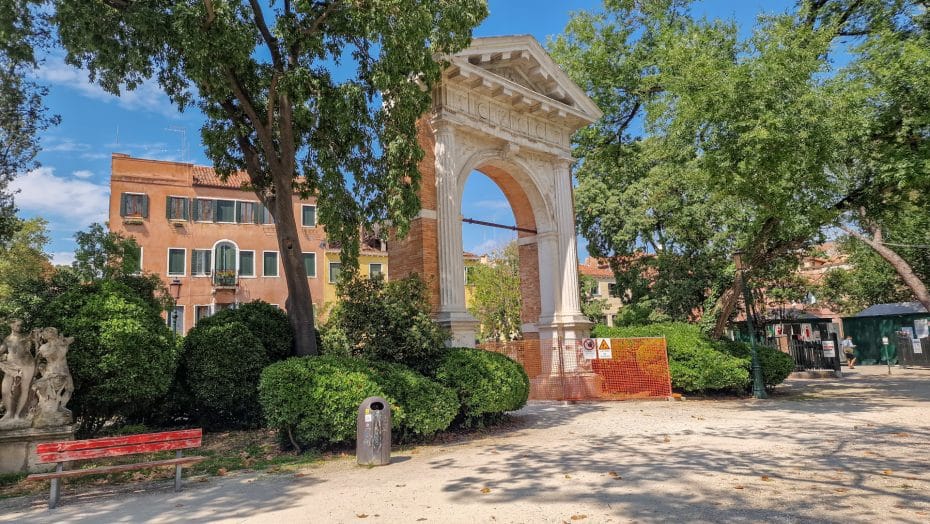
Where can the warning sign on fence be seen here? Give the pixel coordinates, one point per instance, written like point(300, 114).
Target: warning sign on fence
point(603, 349)
point(589, 348)
point(829, 349)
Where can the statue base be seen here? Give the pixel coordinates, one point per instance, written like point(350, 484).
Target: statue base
point(18, 447)
point(571, 386)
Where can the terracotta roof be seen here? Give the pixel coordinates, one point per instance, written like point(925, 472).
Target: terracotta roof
point(207, 176)
point(593, 267)
point(470, 256)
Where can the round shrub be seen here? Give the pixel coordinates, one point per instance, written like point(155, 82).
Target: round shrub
point(314, 400)
point(428, 406)
point(221, 368)
point(263, 320)
point(488, 384)
point(123, 357)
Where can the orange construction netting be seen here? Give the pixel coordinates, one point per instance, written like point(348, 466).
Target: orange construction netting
point(592, 369)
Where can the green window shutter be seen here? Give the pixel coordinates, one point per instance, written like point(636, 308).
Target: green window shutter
point(145, 206)
point(238, 211)
point(168, 208)
point(196, 211)
point(186, 207)
point(215, 209)
point(122, 204)
point(247, 263)
point(257, 213)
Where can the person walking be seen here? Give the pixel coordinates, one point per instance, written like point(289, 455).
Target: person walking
point(850, 350)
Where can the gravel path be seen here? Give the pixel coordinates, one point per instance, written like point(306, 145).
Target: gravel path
point(851, 450)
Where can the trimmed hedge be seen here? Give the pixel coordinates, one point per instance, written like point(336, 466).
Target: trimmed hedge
point(488, 384)
point(263, 320)
point(222, 364)
point(314, 401)
point(695, 362)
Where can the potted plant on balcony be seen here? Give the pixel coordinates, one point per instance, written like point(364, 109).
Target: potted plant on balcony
point(224, 278)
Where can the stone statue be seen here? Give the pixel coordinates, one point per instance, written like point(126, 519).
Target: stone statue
point(19, 368)
point(54, 386)
point(35, 387)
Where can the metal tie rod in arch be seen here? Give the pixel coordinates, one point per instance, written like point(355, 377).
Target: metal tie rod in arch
point(501, 226)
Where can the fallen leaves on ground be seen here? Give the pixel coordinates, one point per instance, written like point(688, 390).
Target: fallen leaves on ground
point(579, 517)
point(614, 475)
point(666, 439)
point(568, 476)
point(766, 478)
point(901, 434)
point(221, 472)
point(887, 472)
point(361, 515)
point(738, 486)
point(485, 490)
point(840, 490)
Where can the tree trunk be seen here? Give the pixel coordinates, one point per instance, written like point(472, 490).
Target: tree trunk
point(900, 265)
point(725, 306)
point(299, 304)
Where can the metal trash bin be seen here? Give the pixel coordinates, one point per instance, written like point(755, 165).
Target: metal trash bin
point(373, 432)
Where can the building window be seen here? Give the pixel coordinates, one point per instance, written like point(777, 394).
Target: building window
point(308, 216)
point(247, 212)
point(374, 270)
point(176, 262)
point(247, 263)
point(134, 205)
point(200, 262)
point(201, 312)
point(596, 290)
point(204, 210)
point(176, 319)
point(612, 290)
point(270, 264)
point(335, 269)
point(177, 208)
point(225, 256)
point(226, 211)
point(265, 216)
point(310, 264)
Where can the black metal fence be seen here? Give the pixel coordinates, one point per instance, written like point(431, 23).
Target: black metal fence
point(814, 354)
point(913, 352)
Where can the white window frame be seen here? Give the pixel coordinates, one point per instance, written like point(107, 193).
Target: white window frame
point(208, 306)
point(315, 220)
point(254, 264)
point(168, 263)
point(316, 264)
point(141, 257)
point(380, 271)
point(236, 216)
point(216, 210)
point(277, 258)
point(181, 315)
point(210, 269)
point(329, 268)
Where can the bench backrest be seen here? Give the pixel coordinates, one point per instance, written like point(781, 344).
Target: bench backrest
point(52, 452)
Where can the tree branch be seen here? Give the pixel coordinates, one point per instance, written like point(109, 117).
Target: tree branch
point(270, 41)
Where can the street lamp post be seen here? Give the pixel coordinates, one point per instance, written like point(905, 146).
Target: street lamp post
point(176, 286)
point(758, 385)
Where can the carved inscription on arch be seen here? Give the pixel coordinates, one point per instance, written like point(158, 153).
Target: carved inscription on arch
point(496, 113)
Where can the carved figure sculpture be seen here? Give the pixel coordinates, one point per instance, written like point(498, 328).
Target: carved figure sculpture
point(55, 386)
point(19, 368)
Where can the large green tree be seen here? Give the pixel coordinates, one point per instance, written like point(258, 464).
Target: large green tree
point(23, 31)
point(307, 97)
point(712, 143)
point(495, 299)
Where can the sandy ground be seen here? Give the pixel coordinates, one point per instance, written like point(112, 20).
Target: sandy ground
point(850, 450)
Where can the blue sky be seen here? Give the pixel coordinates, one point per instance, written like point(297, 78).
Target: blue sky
point(71, 188)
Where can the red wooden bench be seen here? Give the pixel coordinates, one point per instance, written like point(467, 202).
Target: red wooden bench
point(68, 450)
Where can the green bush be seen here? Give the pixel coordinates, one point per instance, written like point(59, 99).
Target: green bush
point(263, 320)
point(314, 401)
point(384, 321)
point(221, 368)
point(696, 363)
point(776, 365)
point(124, 356)
point(428, 406)
point(488, 384)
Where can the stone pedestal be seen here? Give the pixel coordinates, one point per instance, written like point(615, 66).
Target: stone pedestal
point(18, 447)
point(576, 386)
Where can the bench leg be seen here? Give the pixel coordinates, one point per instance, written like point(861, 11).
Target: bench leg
point(177, 473)
point(55, 491)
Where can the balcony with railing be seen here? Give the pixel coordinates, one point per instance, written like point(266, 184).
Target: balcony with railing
point(225, 279)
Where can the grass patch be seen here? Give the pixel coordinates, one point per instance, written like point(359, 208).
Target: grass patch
point(255, 450)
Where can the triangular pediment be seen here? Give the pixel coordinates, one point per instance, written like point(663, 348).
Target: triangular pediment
point(521, 63)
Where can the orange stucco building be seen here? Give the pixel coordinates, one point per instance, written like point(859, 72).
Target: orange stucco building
point(212, 241)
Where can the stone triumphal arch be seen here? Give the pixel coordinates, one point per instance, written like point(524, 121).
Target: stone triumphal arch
point(505, 109)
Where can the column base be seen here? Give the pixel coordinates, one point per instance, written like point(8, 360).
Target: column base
point(566, 327)
point(463, 326)
point(573, 386)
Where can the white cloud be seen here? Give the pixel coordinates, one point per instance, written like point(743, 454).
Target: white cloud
point(62, 258)
point(145, 97)
point(495, 204)
point(62, 145)
point(83, 173)
point(94, 156)
point(77, 203)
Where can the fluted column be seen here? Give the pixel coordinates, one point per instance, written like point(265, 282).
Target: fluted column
point(570, 301)
point(449, 225)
